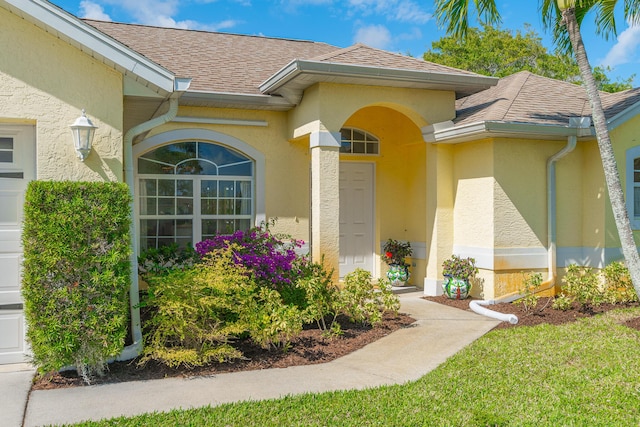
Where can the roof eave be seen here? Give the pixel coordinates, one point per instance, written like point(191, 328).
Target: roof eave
point(454, 134)
point(287, 81)
point(95, 43)
point(235, 100)
point(624, 116)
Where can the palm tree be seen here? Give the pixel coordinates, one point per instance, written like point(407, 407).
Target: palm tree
point(564, 18)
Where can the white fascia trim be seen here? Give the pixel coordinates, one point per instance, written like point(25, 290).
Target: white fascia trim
point(91, 41)
point(220, 121)
point(623, 116)
point(245, 100)
point(298, 66)
point(447, 134)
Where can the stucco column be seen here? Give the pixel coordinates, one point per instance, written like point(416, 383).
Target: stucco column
point(440, 199)
point(325, 199)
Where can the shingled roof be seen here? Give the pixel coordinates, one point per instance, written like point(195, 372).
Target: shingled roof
point(525, 97)
point(231, 63)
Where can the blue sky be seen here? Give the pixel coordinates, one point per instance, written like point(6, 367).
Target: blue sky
point(403, 26)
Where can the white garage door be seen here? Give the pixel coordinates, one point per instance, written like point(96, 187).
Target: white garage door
point(17, 168)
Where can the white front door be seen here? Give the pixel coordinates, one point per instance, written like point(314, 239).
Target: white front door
point(17, 168)
point(356, 217)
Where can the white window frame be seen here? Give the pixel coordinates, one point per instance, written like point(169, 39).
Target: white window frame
point(632, 154)
point(206, 136)
point(374, 139)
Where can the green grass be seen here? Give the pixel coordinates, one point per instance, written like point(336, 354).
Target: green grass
point(581, 374)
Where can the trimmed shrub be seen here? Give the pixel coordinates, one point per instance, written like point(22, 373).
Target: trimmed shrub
point(197, 312)
point(76, 273)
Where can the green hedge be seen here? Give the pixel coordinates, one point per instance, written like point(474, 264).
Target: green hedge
point(76, 273)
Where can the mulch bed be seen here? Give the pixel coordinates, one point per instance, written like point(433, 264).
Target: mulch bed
point(542, 313)
point(310, 347)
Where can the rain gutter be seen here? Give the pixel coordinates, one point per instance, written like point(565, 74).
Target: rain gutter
point(580, 126)
point(180, 86)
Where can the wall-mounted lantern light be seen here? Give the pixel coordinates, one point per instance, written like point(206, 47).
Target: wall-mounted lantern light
point(82, 130)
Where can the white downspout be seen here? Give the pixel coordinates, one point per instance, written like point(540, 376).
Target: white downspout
point(581, 123)
point(133, 350)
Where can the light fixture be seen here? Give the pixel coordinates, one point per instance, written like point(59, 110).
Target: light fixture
point(82, 130)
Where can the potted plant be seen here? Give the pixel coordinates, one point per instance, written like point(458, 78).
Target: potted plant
point(395, 253)
point(458, 273)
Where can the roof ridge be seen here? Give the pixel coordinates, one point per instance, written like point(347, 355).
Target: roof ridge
point(133, 24)
point(517, 80)
point(338, 51)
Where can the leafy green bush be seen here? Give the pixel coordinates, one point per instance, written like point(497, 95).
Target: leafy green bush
point(582, 284)
point(165, 259)
point(194, 312)
point(198, 311)
point(562, 302)
point(270, 322)
point(362, 302)
point(530, 284)
point(321, 298)
point(76, 273)
point(617, 284)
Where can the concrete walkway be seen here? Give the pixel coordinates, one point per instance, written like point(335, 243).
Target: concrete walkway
point(405, 355)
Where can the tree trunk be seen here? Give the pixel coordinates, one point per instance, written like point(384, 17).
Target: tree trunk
point(609, 164)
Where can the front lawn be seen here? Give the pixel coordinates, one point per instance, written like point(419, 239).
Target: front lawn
point(580, 374)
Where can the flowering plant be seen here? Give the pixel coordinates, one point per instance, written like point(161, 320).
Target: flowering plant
point(269, 258)
point(395, 252)
point(460, 268)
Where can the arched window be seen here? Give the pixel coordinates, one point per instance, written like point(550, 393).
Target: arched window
point(189, 191)
point(354, 141)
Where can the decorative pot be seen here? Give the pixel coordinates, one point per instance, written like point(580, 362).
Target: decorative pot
point(456, 288)
point(398, 274)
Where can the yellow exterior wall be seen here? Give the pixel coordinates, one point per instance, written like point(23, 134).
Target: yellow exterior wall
point(327, 106)
point(286, 163)
point(473, 211)
point(36, 86)
point(624, 137)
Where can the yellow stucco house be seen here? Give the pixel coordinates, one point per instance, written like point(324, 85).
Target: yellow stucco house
point(347, 147)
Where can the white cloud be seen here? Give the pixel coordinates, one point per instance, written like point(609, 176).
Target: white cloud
point(394, 10)
point(90, 10)
point(161, 13)
point(625, 49)
point(373, 35)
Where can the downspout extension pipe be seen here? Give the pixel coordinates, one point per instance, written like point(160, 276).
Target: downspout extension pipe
point(132, 351)
point(478, 307)
point(582, 124)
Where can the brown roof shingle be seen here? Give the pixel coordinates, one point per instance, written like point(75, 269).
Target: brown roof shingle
point(360, 54)
point(222, 62)
point(525, 97)
point(216, 62)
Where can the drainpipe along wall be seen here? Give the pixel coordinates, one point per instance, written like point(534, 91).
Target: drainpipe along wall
point(134, 349)
point(583, 125)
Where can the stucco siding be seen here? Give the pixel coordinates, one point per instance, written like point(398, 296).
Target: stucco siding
point(287, 163)
point(46, 82)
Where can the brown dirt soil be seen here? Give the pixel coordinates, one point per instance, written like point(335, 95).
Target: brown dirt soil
point(307, 349)
point(542, 313)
